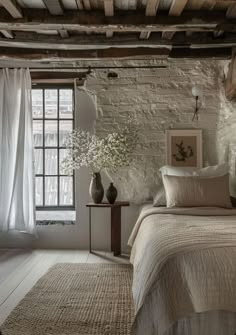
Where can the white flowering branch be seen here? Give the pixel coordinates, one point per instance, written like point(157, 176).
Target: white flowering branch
point(109, 153)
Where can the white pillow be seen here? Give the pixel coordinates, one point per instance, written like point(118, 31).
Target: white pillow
point(209, 171)
point(176, 171)
point(213, 171)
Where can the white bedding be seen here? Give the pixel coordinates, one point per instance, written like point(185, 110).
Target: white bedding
point(184, 263)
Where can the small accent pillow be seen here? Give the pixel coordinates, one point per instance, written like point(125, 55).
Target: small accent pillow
point(197, 191)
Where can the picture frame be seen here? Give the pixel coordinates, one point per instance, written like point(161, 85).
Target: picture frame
point(184, 148)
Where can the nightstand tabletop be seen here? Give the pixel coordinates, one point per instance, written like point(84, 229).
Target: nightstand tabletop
point(106, 204)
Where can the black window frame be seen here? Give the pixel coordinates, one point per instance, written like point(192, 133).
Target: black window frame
point(58, 87)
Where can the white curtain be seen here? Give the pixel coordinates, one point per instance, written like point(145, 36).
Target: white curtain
point(17, 205)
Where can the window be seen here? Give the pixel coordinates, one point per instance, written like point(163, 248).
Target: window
point(53, 121)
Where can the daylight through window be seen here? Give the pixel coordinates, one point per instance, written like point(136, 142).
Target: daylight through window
point(53, 121)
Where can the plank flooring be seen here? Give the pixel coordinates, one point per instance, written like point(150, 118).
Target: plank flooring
point(21, 269)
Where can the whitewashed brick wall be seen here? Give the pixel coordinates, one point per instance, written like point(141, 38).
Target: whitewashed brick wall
point(161, 99)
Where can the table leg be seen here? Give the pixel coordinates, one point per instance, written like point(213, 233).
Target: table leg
point(116, 230)
point(90, 230)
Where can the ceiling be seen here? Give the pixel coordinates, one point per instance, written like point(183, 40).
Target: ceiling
point(108, 29)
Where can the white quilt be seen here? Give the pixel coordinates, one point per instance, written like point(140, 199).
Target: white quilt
point(184, 262)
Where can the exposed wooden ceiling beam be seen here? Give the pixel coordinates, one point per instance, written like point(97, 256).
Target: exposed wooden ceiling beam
point(12, 7)
point(130, 22)
point(109, 7)
point(195, 4)
point(151, 7)
point(177, 7)
point(144, 35)
point(87, 4)
point(7, 34)
point(231, 12)
point(64, 33)
point(36, 41)
point(54, 6)
point(167, 35)
point(133, 53)
point(151, 10)
point(79, 4)
point(109, 11)
point(42, 54)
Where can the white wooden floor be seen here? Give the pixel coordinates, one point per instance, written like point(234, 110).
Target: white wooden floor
point(21, 269)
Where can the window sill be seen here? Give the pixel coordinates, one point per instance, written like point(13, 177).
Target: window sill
point(46, 218)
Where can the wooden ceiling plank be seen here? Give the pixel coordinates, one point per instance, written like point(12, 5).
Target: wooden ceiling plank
point(84, 21)
point(87, 4)
point(64, 33)
point(152, 7)
point(79, 4)
point(109, 34)
point(209, 4)
point(7, 34)
point(144, 35)
point(109, 11)
point(231, 12)
point(109, 7)
point(54, 6)
point(177, 7)
point(194, 4)
point(167, 35)
point(12, 7)
point(151, 10)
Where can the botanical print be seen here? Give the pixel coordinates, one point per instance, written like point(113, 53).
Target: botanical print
point(184, 148)
point(184, 151)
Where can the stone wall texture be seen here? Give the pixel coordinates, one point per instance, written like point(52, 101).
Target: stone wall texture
point(161, 99)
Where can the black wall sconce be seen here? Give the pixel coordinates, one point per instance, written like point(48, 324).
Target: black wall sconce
point(196, 92)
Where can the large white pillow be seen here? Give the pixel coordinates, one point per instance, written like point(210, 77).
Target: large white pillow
point(210, 171)
point(197, 191)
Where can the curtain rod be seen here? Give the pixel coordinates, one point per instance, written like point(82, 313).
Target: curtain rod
point(89, 68)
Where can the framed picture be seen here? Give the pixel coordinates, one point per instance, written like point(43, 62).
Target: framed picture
point(184, 147)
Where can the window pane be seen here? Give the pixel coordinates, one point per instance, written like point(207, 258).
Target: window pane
point(39, 191)
point(63, 154)
point(51, 191)
point(51, 161)
point(37, 103)
point(50, 133)
point(66, 191)
point(38, 133)
point(66, 104)
point(38, 161)
point(65, 130)
point(50, 103)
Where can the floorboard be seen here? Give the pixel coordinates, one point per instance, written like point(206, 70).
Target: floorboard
point(21, 269)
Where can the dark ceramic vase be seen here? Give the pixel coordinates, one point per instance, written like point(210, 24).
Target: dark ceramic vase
point(111, 194)
point(96, 189)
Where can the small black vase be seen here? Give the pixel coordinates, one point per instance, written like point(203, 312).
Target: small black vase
point(96, 189)
point(111, 194)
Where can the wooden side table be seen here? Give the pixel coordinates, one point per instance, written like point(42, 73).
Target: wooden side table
point(115, 223)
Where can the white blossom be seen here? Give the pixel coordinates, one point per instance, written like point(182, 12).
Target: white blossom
point(109, 153)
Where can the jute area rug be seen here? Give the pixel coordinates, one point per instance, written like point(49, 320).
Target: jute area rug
point(76, 299)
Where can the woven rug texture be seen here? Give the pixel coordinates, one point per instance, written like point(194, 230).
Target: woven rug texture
point(76, 299)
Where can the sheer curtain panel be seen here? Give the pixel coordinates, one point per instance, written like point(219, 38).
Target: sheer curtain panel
point(17, 204)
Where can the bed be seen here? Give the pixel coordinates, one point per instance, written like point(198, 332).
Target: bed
point(184, 262)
